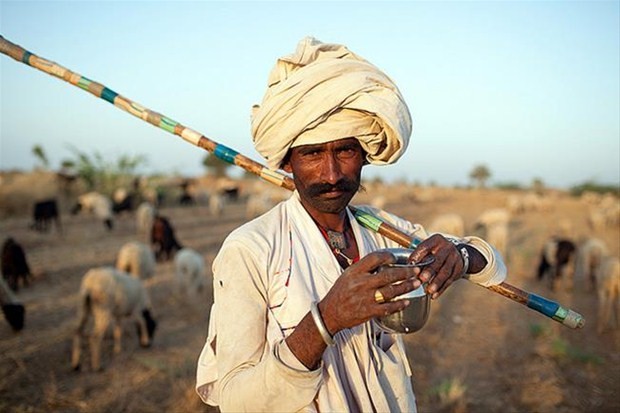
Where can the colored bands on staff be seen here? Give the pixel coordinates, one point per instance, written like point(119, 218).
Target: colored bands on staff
point(26, 57)
point(367, 220)
point(542, 305)
point(109, 95)
point(225, 153)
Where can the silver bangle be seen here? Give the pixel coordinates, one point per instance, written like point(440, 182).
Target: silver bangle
point(465, 256)
point(318, 321)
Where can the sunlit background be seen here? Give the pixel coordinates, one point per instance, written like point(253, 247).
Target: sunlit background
point(529, 89)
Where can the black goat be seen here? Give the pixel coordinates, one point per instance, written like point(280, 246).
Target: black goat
point(14, 264)
point(13, 310)
point(163, 239)
point(43, 213)
point(555, 256)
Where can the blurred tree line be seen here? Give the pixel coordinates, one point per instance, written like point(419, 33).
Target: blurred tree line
point(104, 175)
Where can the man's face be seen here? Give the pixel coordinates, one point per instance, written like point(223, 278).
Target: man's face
point(326, 175)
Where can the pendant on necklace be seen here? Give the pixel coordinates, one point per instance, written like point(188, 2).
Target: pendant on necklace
point(337, 240)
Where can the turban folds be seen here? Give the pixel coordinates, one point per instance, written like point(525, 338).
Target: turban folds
point(324, 92)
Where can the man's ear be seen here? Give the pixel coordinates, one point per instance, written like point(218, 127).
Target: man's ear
point(286, 167)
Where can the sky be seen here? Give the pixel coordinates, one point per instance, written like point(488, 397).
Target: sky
point(530, 89)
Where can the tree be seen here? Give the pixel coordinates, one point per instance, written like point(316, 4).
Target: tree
point(102, 175)
point(39, 153)
point(480, 174)
point(538, 186)
point(215, 164)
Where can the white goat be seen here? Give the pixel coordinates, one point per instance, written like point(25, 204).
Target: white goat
point(14, 312)
point(608, 289)
point(145, 214)
point(96, 203)
point(189, 271)
point(590, 253)
point(258, 204)
point(110, 295)
point(452, 224)
point(137, 259)
point(216, 204)
point(495, 222)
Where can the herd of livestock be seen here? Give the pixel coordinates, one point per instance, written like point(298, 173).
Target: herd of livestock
point(111, 295)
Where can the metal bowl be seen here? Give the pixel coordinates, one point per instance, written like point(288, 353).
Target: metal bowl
point(414, 317)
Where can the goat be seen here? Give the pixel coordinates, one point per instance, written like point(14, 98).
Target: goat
point(163, 239)
point(189, 271)
point(452, 224)
point(97, 203)
point(110, 295)
point(14, 264)
point(145, 214)
point(554, 259)
point(495, 223)
point(14, 311)
point(608, 290)
point(216, 204)
point(122, 201)
point(257, 204)
point(136, 259)
point(589, 256)
point(42, 213)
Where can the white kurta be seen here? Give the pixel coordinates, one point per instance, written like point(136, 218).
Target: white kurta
point(266, 275)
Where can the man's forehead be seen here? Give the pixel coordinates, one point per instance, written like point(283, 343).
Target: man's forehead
point(335, 143)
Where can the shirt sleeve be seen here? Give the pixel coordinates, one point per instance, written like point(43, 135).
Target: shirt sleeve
point(495, 271)
point(251, 375)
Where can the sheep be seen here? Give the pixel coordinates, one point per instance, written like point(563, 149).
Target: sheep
point(378, 202)
point(163, 239)
point(42, 213)
point(216, 204)
point(258, 204)
point(608, 290)
point(14, 311)
point(555, 257)
point(452, 224)
point(589, 256)
point(189, 271)
point(145, 214)
point(14, 264)
point(136, 259)
point(97, 203)
point(495, 223)
point(122, 201)
point(596, 220)
point(110, 295)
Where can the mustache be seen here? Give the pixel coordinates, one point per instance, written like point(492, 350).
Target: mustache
point(344, 185)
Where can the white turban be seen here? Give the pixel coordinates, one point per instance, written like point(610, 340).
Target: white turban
point(324, 92)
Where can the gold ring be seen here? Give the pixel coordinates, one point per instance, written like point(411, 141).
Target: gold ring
point(379, 298)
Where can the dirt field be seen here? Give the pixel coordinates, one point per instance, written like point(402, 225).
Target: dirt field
point(479, 352)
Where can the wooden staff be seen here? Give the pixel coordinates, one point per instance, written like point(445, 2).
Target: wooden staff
point(544, 306)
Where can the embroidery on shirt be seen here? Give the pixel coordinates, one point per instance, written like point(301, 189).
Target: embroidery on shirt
point(289, 270)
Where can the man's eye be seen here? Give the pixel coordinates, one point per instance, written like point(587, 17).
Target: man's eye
point(311, 153)
point(347, 152)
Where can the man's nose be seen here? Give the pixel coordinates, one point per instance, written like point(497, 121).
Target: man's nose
point(332, 171)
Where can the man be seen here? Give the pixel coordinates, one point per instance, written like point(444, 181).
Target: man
point(297, 290)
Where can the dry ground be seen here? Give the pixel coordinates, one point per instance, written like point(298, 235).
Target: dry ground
point(479, 352)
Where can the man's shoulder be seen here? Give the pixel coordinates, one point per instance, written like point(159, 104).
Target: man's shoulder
point(259, 231)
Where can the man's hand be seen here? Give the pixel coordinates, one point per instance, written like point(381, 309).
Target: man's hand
point(351, 300)
point(441, 273)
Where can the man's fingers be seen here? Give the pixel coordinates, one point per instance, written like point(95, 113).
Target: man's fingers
point(390, 275)
point(446, 275)
point(373, 260)
point(390, 307)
